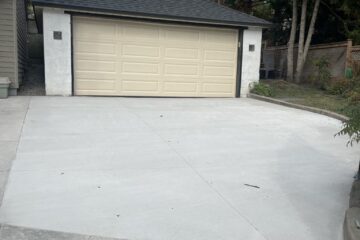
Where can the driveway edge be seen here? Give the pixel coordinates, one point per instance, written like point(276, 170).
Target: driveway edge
point(298, 106)
point(9, 232)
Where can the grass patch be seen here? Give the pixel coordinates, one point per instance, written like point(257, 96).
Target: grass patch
point(308, 96)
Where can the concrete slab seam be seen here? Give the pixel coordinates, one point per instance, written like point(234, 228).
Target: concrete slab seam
point(16, 149)
point(200, 176)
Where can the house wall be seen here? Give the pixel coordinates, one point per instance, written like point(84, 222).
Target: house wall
point(21, 39)
point(250, 59)
point(57, 53)
point(8, 41)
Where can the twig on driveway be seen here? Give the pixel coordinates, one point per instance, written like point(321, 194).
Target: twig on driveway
point(249, 185)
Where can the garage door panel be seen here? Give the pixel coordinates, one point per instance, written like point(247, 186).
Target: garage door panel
point(97, 48)
point(221, 48)
point(181, 35)
point(140, 51)
point(131, 85)
point(138, 60)
point(92, 65)
point(151, 59)
point(181, 69)
point(178, 61)
point(96, 84)
point(182, 78)
point(182, 53)
point(141, 31)
point(218, 71)
point(95, 92)
point(95, 57)
point(217, 87)
point(218, 55)
point(180, 87)
point(220, 64)
point(139, 68)
point(139, 77)
point(220, 80)
point(95, 31)
point(96, 75)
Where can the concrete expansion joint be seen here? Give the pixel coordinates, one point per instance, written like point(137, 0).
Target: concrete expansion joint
point(227, 202)
point(22, 126)
point(16, 150)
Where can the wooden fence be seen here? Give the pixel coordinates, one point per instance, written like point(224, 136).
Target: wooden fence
point(355, 53)
point(339, 54)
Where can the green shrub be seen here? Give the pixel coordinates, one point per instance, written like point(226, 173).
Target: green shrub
point(340, 87)
point(323, 76)
point(353, 95)
point(262, 89)
point(352, 126)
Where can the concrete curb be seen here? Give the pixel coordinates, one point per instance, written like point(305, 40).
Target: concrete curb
point(298, 106)
point(355, 195)
point(351, 226)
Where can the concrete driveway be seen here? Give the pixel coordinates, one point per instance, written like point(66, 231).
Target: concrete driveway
point(178, 169)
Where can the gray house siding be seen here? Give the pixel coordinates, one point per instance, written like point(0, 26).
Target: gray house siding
point(13, 40)
point(21, 39)
point(8, 61)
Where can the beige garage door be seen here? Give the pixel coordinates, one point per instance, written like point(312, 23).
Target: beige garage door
point(129, 58)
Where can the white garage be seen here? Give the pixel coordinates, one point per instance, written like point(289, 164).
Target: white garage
point(127, 58)
point(124, 48)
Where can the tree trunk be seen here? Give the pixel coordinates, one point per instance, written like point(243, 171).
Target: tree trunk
point(290, 53)
point(305, 49)
point(300, 57)
point(311, 29)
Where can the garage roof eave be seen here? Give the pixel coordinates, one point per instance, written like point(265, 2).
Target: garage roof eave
point(79, 9)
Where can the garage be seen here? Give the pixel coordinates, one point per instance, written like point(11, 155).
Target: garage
point(129, 58)
point(159, 48)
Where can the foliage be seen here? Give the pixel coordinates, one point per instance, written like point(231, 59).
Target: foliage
point(348, 88)
point(352, 126)
point(340, 87)
point(354, 35)
point(342, 15)
point(262, 89)
point(276, 11)
point(354, 96)
point(322, 75)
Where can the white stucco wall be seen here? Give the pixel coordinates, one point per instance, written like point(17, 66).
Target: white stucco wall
point(57, 53)
point(250, 60)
